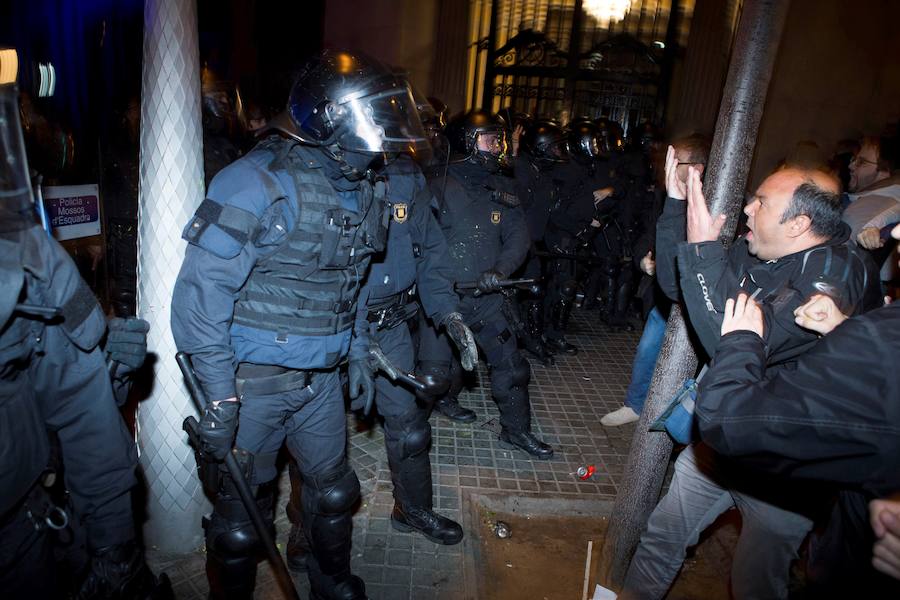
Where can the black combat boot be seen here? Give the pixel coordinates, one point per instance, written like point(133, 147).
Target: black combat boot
point(525, 440)
point(407, 439)
point(556, 340)
point(534, 341)
point(433, 526)
point(450, 408)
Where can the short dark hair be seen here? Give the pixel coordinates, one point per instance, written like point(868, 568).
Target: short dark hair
point(821, 205)
point(696, 146)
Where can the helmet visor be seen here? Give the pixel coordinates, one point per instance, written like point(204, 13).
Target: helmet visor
point(15, 184)
point(386, 121)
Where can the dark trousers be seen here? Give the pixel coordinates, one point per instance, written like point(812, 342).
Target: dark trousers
point(495, 338)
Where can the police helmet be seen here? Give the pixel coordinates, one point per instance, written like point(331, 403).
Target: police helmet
point(584, 143)
point(545, 142)
point(609, 136)
point(466, 130)
point(346, 101)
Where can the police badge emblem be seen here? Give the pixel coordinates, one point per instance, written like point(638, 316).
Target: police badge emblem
point(401, 212)
point(495, 217)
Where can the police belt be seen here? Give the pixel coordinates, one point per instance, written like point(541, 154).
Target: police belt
point(268, 379)
point(389, 312)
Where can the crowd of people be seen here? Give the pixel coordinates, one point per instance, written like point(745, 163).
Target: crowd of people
point(365, 246)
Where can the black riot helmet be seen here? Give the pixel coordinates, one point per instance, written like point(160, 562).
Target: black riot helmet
point(478, 137)
point(351, 105)
point(609, 137)
point(644, 136)
point(584, 143)
point(545, 142)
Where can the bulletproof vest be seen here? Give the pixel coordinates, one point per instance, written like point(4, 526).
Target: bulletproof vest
point(309, 285)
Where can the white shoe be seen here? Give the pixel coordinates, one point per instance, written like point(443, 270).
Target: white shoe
point(620, 417)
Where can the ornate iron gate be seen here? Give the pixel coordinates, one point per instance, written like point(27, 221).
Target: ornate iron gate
point(552, 58)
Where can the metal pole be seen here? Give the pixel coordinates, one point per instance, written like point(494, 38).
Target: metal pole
point(740, 112)
point(171, 188)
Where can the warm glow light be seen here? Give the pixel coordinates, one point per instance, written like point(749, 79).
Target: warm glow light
point(607, 11)
point(345, 63)
point(9, 65)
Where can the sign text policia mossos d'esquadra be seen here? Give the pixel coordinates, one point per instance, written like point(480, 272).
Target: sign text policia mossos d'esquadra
point(73, 211)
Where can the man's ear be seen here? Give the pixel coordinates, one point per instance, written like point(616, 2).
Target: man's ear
point(700, 170)
point(799, 225)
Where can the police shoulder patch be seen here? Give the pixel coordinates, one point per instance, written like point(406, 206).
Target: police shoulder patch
point(495, 217)
point(400, 212)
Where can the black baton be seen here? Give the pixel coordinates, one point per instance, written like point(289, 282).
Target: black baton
point(240, 483)
point(471, 285)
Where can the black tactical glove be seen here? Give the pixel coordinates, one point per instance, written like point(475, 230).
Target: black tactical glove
point(126, 344)
point(462, 336)
point(218, 427)
point(362, 384)
point(489, 282)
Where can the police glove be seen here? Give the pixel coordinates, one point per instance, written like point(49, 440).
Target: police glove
point(126, 344)
point(362, 384)
point(489, 281)
point(462, 336)
point(218, 427)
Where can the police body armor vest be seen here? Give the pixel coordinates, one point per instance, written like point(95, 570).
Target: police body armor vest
point(310, 284)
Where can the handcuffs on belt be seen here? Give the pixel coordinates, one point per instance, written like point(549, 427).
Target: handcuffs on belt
point(394, 311)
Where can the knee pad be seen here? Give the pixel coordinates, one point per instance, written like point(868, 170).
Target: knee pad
point(333, 492)
point(416, 440)
point(568, 289)
point(520, 373)
point(517, 370)
point(230, 539)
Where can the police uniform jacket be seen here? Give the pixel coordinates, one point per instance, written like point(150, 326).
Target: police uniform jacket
point(272, 272)
point(483, 227)
point(416, 252)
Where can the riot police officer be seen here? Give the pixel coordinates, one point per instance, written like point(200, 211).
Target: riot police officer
point(488, 240)
point(573, 223)
point(266, 300)
point(542, 147)
point(54, 379)
point(416, 263)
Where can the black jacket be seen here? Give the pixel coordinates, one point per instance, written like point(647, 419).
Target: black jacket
point(834, 417)
point(708, 274)
point(483, 228)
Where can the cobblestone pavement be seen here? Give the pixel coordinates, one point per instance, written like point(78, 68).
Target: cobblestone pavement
point(568, 400)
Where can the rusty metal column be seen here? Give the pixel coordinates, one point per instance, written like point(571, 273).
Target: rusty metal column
point(744, 97)
point(171, 180)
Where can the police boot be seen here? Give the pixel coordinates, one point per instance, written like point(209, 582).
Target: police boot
point(509, 386)
point(119, 572)
point(557, 342)
point(297, 545)
point(525, 440)
point(327, 500)
point(591, 290)
point(534, 341)
point(618, 319)
point(609, 299)
point(407, 439)
point(450, 408)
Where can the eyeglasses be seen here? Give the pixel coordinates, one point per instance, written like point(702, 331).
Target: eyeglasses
point(859, 159)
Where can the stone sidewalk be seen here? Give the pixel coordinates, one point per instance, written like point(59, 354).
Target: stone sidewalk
point(568, 400)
